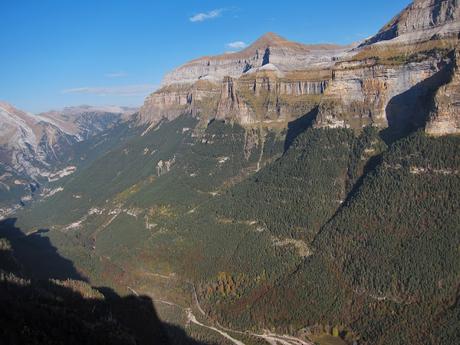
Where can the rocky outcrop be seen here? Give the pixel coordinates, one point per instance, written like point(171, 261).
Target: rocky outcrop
point(271, 51)
point(258, 97)
point(420, 21)
point(174, 100)
point(445, 116)
point(391, 78)
point(264, 97)
point(231, 105)
point(163, 167)
point(388, 81)
point(367, 93)
point(247, 86)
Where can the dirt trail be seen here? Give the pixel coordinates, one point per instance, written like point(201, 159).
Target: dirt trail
point(270, 338)
point(274, 339)
point(192, 318)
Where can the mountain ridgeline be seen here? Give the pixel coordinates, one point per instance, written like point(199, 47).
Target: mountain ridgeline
point(38, 150)
point(284, 194)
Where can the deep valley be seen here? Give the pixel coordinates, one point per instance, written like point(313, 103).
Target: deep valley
point(285, 194)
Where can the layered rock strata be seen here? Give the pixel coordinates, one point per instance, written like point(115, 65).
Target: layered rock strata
point(387, 81)
point(445, 115)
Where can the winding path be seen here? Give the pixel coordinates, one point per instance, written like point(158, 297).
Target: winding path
point(270, 338)
point(193, 319)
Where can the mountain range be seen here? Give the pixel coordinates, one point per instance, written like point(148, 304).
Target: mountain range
point(275, 80)
point(284, 194)
point(36, 149)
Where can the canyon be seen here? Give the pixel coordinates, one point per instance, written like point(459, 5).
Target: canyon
point(287, 193)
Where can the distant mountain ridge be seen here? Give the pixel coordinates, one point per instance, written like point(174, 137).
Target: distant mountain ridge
point(86, 120)
point(34, 148)
point(41, 137)
point(28, 141)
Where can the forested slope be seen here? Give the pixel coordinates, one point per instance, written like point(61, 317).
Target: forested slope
point(336, 233)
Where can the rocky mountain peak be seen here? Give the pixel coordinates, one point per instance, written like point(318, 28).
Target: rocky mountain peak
point(421, 20)
point(273, 40)
point(284, 55)
point(7, 106)
point(12, 111)
point(14, 121)
point(351, 86)
point(270, 39)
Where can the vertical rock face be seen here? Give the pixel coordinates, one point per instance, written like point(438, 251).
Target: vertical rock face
point(174, 100)
point(445, 116)
point(366, 94)
point(231, 105)
point(260, 96)
point(270, 49)
point(166, 103)
point(163, 167)
point(247, 86)
point(263, 97)
point(422, 20)
point(388, 81)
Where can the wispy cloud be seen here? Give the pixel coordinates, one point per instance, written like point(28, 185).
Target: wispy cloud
point(119, 74)
point(201, 17)
point(237, 45)
point(126, 90)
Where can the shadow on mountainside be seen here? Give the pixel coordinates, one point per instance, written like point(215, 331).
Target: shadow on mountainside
point(410, 110)
point(38, 258)
point(37, 308)
point(298, 126)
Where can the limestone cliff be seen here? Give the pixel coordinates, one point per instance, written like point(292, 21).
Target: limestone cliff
point(445, 116)
point(391, 78)
point(422, 20)
point(372, 92)
point(262, 96)
point(173, 100)
point(387, 81)
point(247, 86)
point(271, 51)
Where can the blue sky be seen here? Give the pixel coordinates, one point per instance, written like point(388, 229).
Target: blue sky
point(57, 53)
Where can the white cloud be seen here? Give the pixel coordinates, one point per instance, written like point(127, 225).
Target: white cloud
point(119, 74)
point(237, 45)
point(200, 17)
point(127, 90)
